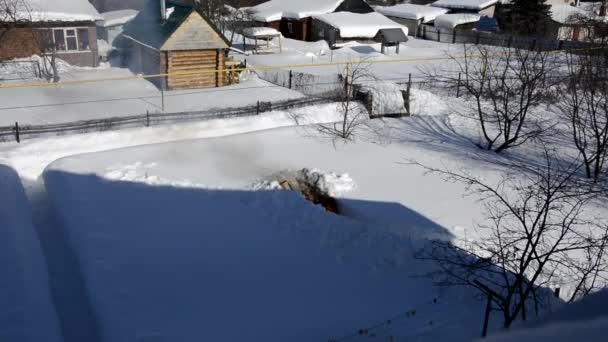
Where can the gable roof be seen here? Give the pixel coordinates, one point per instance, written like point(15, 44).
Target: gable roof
point(195, 31)
point(274, 10)
point(56, 11)
point(393, 35)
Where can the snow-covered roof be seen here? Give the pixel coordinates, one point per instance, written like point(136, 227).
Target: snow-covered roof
point(410, 11)
point(476, 5)
point(294, 9)
point(120, 17)
point(57, 10)
point(260, 32)
point(450, 21)
point(564, 14)
point(356, 25)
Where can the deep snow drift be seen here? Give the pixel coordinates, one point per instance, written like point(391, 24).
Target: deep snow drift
point(168, 263)
point(26, 311)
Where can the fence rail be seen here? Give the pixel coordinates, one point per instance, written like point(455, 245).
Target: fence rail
point(20, 132)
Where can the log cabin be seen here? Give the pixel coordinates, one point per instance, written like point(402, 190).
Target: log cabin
point(174, 39)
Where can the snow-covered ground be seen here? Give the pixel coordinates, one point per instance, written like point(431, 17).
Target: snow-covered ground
point(157, 234)
point(73, 102)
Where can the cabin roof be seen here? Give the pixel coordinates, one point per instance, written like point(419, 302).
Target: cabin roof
point(184, 29)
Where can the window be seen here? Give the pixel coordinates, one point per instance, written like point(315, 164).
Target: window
point(71, 39)
point(83, 39)
point(59, 37)
point(290, 28)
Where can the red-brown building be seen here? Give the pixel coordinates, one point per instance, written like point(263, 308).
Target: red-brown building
point(35, 27)
point(293, 18)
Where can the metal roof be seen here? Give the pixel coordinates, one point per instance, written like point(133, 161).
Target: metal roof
point(392, 35)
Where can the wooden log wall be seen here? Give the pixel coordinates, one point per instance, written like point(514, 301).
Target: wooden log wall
point(193, 61)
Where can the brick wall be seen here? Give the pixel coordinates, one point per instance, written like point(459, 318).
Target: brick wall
point(18, 43)
point(21, 42)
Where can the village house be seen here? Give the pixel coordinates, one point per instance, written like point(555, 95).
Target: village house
point(412, 16)
point(342, 27)
point(112, 25)
point(293, 18)
point(482, 7)
point(175, 39)
point(66, 27)
point(568, 23)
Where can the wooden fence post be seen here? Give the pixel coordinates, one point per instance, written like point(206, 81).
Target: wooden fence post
point(439, 35)
point(533, 45)
point(477, 39)
point(257, 108)
point(290, 78)
point(453, 37)
point(147, 118)
point(162, 99)
point(458, 85)
point(17, 137)
point(510, 42)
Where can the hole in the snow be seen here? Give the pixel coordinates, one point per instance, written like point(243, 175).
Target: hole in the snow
point(313, 185)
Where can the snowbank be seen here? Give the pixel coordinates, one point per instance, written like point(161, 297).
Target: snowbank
point(120, 17)
point(411, 11)
point(168, 263)
point(387, 97)
point(276, 9)
point(26, 310)
point(357, 25)
point(476, 5)
point(450, 21)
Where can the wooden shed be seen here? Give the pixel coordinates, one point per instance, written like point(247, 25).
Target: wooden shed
point(175, 39)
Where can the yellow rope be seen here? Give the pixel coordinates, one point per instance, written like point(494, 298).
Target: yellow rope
point(285, 66)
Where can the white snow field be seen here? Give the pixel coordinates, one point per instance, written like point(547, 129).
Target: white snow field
point(26, 310)
point(74, 102)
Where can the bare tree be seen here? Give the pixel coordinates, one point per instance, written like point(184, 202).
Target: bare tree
point(538, 233)
point(353, 114)
point(505, 85)
point(19, 15)
point(584, 103)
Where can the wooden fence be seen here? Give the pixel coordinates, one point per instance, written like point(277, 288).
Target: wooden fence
point(429, 32)
point(19, 132)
